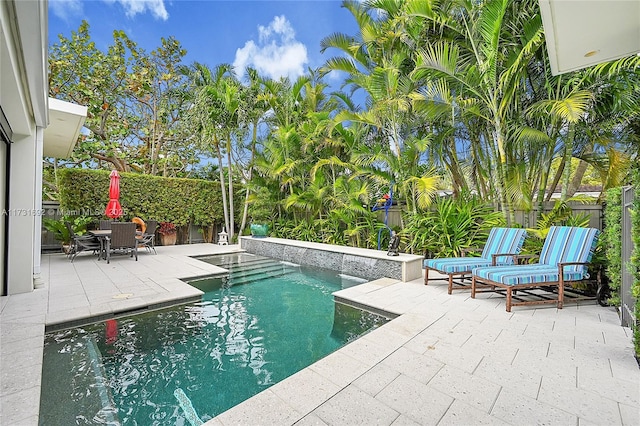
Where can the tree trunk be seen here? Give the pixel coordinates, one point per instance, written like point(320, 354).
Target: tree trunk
point(507, 210)
point(568, 154)
point(230, 172)
point(579, 174)
point(223, 189)
point(556, 180)
point(245, 211)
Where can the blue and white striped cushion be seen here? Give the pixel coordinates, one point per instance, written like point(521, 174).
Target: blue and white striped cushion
point(504, 240)
point(563, 244)
point(525, 274)
point(456, 265)
point(500, 240)
point(569, 244)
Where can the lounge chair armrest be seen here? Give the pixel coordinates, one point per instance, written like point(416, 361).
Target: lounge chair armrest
point(497, 255)
point(563, 264)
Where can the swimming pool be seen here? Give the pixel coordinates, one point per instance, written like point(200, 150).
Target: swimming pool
point(254, 327)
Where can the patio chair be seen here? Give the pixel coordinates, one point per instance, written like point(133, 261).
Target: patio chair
point(123, 238)
point(502, 245)
point(105, 224)
point(81, 243)
point(564, 257)
point(148, 238)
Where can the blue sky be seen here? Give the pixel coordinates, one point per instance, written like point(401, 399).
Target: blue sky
point(276, 37)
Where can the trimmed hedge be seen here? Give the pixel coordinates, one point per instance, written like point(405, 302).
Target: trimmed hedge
point(613, 242)
point(180, 201)
point(634, 262)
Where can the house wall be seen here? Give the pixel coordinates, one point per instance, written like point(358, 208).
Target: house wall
point(3, 194)
point(24, 102)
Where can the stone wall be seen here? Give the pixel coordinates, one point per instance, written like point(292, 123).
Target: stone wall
point(364, 263)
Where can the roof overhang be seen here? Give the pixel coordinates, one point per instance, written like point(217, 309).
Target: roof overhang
point(65, 121)
point(582, 33)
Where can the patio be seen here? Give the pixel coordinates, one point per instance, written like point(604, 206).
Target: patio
point(444, 360)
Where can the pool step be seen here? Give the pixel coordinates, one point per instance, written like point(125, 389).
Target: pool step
point(256, 277)
point(258, 271)
point(230, 260)
point(248, 266)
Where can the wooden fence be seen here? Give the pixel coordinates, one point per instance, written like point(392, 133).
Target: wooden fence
point(526, 219)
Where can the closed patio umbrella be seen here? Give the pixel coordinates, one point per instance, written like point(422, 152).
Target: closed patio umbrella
point(114, 210)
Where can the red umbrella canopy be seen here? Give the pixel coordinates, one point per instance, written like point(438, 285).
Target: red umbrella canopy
point(114, 210)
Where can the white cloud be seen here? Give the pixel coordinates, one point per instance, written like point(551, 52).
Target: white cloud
point(133, 7)
point(65, 9)
point(276, 54)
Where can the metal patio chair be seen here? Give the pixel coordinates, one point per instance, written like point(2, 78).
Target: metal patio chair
point(81, 243)
point(148, 238)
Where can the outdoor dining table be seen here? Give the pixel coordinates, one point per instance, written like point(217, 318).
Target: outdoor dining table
point(101, 235)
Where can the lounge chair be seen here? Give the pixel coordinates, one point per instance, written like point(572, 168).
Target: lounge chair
point(148, 238)
point(123, 238)
point(502, 245)
point(564, 258)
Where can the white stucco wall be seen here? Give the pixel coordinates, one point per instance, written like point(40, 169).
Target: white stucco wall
point(23, 97)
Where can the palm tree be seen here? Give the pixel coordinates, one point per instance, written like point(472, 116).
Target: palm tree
point(482, 55)
point(214, 111)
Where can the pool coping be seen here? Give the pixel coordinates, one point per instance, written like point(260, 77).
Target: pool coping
point(401, 355)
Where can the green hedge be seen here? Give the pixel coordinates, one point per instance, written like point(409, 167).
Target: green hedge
point(634, 263)
point(180, 201)
point(613, 242)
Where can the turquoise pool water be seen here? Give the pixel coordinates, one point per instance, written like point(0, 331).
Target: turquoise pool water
point(260, 324)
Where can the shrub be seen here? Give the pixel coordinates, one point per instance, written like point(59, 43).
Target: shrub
point(451, 226)
point(634, 261)
point(612, 240)
point(176, 200)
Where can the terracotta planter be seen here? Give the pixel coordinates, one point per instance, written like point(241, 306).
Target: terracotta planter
point(168, 239)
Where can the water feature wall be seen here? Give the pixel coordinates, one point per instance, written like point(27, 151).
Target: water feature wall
point(365, 263)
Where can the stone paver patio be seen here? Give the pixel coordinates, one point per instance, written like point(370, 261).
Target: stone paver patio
point(446, 360)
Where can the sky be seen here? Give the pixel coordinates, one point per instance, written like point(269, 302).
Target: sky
point(278, 38)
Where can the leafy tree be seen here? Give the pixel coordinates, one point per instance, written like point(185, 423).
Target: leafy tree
point(135, 102)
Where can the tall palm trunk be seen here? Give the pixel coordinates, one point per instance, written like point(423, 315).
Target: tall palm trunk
point(223, 189)
point(245, 212)
point(579, 174)
point(501, 169)
point(568, 153)
point(230, 169)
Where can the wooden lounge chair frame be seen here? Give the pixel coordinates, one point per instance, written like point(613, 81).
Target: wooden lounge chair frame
point(585, 242)
point(499, 239)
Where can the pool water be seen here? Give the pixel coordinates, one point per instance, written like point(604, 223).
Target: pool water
point(184, 365)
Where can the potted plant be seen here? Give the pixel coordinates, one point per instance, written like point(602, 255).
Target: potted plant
point(60, 231)
point(168, 233)
point(261, 212)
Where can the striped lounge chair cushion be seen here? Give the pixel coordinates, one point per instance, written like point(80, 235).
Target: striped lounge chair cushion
point(569, 244)
point(563, 244)
point(504, 240)
point(456, 265)
point(526, 274)
point(500, 240)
